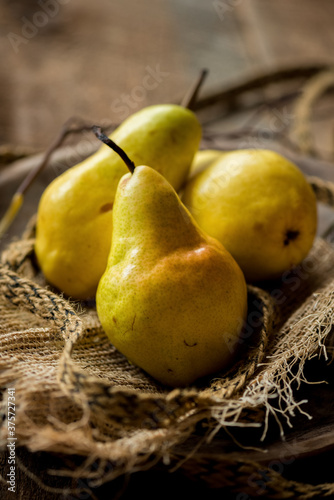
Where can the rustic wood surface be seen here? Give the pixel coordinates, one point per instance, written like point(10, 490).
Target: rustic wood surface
point(104, 60)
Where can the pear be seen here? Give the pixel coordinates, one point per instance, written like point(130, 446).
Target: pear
point(260, 206)
point(74, 220)
point(202, 159)
point(172, 299)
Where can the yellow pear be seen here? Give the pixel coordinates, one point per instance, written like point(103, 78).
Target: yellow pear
point(172, 299)
point(259, 206)
point(202, 159)
point(74, 222)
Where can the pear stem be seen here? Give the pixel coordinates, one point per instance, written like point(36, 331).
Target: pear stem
point(191, 96)
point(102, 137)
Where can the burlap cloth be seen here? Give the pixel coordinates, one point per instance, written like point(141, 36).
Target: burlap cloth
point(75, 394)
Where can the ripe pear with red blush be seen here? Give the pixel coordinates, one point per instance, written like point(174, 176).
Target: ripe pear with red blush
point(172, 299)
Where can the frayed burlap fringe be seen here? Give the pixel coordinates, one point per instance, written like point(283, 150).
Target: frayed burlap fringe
point(76, 394)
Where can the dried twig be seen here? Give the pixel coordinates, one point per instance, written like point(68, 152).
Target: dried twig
point(257, 82)
point(313, 90)
point(190, 100)
point(18, 196)
point(68, 128)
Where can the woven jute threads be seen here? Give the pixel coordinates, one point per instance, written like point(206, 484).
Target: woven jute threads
point(76, 394)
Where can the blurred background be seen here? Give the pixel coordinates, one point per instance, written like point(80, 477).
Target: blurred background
point(104, 60)
point(269, 82)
